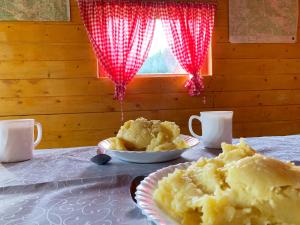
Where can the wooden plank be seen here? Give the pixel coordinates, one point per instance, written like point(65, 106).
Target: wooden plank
point(266, 128)
point(62, 139)
point(54, 87)
point(90, 86)
point(94, 86)
point(104, 103)
point(222, 4)
point(10, 32)
point(221, 18)
point(265, 113)
point(87, 68)
point(220, 35)
point(43, 33)
point(75, 15)
point(37, 52)
point(86, 121)
point(47, 69)
point(69, 34)
point(256, 51)
point(242, 83)
point(19, 69)
point(73, 3)
point(256, 98)
point(240, 67)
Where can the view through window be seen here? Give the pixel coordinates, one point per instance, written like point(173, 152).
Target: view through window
point(160, 58)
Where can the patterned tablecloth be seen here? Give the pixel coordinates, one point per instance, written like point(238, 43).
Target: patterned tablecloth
point(62, 187)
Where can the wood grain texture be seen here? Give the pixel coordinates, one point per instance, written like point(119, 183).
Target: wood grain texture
point(21, 69)
point(44, 51)
point(48, 72)
point(42, 33)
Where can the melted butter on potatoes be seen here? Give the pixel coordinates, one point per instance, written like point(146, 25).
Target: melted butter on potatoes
point(148, 135)
point(239, 187)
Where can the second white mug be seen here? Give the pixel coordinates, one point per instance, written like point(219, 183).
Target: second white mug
point(17, 139)
point(216, 128)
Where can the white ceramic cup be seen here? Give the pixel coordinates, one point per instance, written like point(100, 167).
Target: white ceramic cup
point(216, 128)
point(17, 139)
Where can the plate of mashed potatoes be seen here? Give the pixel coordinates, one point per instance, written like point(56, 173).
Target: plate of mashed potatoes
point(239, 187)
point(148, 141)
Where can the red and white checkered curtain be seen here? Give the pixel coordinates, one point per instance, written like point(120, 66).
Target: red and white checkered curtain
point(121, 32)
point(188, 28)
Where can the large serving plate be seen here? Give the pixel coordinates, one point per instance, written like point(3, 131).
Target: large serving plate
point(145, 191)
point(147, 157)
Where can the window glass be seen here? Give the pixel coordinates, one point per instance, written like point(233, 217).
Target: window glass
point(160, 58)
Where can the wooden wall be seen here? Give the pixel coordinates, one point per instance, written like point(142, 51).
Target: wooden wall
point(48, 72)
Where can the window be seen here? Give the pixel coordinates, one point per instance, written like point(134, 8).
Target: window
point(160, 59)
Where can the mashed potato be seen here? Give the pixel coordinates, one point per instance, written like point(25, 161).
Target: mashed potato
point(239, 187)
point(150, 135)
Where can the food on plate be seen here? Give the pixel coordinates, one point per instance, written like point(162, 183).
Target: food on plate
point(148, 135)
point(239, 187)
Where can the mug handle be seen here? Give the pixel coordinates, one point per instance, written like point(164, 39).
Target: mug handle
point(39, 133)
point(191, 127)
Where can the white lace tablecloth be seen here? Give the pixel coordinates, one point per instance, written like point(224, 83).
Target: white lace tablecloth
point(62, 186)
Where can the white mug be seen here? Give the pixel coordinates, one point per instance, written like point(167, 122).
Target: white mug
point(17, 139)
point(216, 128)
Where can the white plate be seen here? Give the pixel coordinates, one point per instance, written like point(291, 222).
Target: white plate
point(147, 157)
point(145, 191)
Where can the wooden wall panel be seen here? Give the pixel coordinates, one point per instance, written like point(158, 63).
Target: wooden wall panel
point(21, 69)
point(45, 51)
point(48, 72)
point(39, 32)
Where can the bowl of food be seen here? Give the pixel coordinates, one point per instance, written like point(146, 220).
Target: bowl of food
point(147, 141)
point(238, 187)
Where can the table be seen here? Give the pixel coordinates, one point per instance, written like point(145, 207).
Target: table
point(61, 186)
